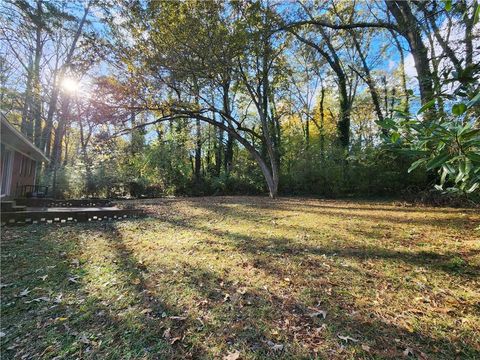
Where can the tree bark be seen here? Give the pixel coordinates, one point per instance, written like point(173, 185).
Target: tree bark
point(27, 121)
point(406, 102)
point(45, 141)
point(322, 123)
point(219, 151)
point(343, 125)
point(36, 86)
point(198, 152)
point(59, 133)
point(408, 26)
point(368, 78)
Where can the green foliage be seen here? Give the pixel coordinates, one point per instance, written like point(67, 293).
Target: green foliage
point(365, 173)
point(448, 143)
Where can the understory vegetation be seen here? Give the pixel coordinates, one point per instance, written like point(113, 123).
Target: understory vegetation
point(246, 278)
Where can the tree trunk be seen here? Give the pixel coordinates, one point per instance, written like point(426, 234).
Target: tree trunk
point(58, 139)
point(368, 79)
point(218, 151)
point(322, 123)
point(37, 100)
point(406, 102)
point(410, 29)
point(307, 134)
point(343, 126)
point(52, 106)
point(228, 155)
point(469, 23)
point(27, 124)
point(198, 152)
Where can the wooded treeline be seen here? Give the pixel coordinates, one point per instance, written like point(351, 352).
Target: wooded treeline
point(150, 98)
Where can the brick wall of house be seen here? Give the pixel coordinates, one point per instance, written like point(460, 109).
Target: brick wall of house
point(23, 172)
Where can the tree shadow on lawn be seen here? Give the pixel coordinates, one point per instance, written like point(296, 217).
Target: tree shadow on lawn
point(428, 259)
point(246, 320)
point(303, 328)
point(362, 205)
point(229, 311)
point(249, 210)
point(68, 320)
point(287, 203)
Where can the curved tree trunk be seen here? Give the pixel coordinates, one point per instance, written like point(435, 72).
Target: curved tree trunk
point(410, 29)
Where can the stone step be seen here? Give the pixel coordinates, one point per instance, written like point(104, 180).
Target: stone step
point(66, 216)
point(48, 202)
point(18, 208)
point(7, 205)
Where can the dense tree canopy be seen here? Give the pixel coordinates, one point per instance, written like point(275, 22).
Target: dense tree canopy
point(148, 98)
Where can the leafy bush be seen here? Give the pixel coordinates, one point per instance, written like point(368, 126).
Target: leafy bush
point(447, 143)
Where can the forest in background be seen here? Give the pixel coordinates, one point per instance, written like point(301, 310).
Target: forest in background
point(155, 98)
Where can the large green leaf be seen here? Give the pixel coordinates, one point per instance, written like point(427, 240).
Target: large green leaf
point(394, 137)
point(459, 109)
point(466, 133)
point(474, 187)
point(475, 157)
point(475, 100)
point(438, 160)
point(417, 164)
point(426, 106)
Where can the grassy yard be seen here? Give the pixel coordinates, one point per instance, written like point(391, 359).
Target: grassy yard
point(246, 278)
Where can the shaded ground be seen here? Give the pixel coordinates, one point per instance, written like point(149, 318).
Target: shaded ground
point(248, 276)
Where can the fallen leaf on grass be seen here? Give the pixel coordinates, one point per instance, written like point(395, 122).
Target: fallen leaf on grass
point(179, 318)
point(24, 292)
point(275, 347)
point(43, 298)
point(2, 334)
point(5, 285)
point(83, 339)
point(76, 262)
point(320, 329)
point(241, 291)
point(366, 347)
point(44, 277)
point(347, 338)
point(73, 279)
point(319, 313)
point(408, 351)
point(166, 334)
point(136, 281)
point(234, 355)
point(13, 346)
point(175, 339)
